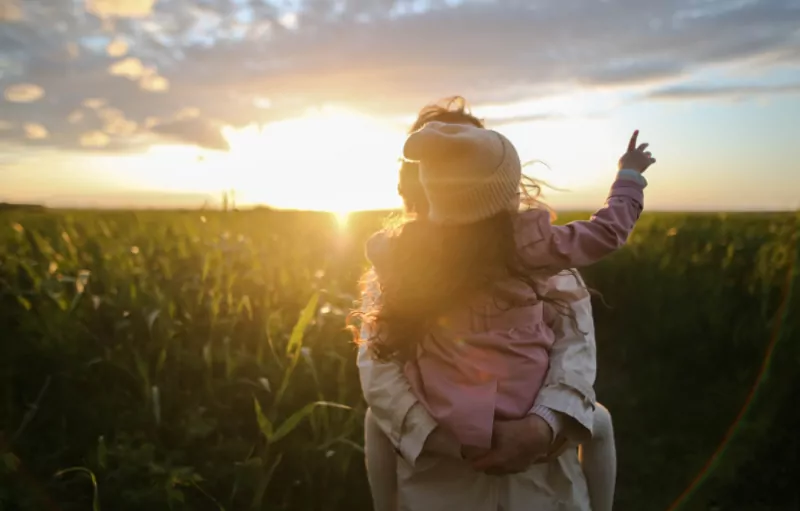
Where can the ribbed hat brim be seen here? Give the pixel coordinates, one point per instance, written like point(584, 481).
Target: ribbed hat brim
point(468, 200)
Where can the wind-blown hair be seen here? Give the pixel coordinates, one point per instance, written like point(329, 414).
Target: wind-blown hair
point(428, 269)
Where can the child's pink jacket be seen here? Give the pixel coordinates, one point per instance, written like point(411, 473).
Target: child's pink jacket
point(487, 361)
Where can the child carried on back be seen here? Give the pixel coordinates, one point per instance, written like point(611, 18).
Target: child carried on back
point(462, 291)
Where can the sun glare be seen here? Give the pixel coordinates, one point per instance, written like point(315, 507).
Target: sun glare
point(332, 160)
point(341, 161)
point(327, 160)
point(341, 218)
point(578, 154)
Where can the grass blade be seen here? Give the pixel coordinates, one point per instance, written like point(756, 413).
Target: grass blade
point(289, 424)
point(264, 424)
point(95, 489)
point(295, 344)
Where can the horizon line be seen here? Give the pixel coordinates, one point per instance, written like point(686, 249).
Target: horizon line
point(219, 208)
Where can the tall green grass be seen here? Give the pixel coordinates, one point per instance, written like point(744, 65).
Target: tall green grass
point(197, 360)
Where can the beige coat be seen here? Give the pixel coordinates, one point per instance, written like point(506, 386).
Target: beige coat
point(429, 482)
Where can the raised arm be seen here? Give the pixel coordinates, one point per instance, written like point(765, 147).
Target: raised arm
point(581, 243)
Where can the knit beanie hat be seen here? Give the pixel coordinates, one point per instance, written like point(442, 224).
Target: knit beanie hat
point(468, 173)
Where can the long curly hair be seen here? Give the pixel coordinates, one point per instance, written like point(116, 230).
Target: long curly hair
point(430, 269)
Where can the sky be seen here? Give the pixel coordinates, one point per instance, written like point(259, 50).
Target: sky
point(304, 104)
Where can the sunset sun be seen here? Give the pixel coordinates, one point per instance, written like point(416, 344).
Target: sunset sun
point(332, 160)
point(327, 160)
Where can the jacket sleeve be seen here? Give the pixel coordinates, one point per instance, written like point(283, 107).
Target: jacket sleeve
point(568, 386)
point(581, 243)
point(386, 390)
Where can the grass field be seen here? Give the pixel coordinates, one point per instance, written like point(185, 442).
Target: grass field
point(197, 360)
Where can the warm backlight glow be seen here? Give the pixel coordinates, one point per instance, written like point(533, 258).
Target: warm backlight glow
point(579, 154)
point(341, 161)
point(329, 160)
point(341, 218)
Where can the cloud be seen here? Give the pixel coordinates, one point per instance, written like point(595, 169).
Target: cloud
point(199, 132)
point(120, 8)
point(10, 10)
point(693, 92)
point(520, 119)
point(23, 93)
point(636, 72)
point(238, 62)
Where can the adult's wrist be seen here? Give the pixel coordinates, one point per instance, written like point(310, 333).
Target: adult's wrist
point(539, 431)
point(440, 442)
point(552, 418)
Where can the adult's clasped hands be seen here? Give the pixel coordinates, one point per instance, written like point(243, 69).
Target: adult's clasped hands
point(517, 444)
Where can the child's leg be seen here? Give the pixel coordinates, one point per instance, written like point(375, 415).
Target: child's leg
point(381, 461)
point(599, 461)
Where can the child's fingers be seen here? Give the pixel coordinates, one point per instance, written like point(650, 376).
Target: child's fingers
point(642, 147)
point(632, 143)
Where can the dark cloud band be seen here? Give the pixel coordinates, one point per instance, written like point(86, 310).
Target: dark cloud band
point(126, 72)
